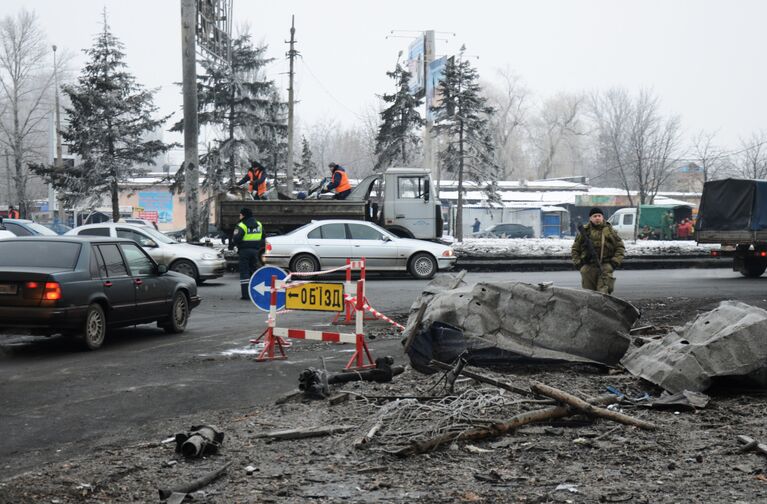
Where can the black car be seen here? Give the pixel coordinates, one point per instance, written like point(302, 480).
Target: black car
point(82, 286)
point(506, 230)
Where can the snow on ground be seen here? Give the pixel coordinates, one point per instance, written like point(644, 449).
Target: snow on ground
point(546, 247)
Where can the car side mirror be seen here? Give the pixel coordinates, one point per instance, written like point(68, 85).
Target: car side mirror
point(426, 190)
point(149, 243)
point(162, 269)
point(385, 238)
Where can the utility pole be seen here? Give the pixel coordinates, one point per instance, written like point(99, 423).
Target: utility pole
point(191, 158)
point(291, 56)
point(59, 160)
point(8, 173)
point(428, 148)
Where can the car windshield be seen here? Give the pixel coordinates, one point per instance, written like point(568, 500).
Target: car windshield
point(40, 229)
point(157, 236)
point(39, 254)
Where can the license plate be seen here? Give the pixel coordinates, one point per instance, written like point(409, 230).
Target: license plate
point(8, 289)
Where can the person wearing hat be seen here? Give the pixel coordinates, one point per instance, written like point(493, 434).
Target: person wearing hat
point(608, 251)
point(256, 178)
point(339, 182)
point(248, 237)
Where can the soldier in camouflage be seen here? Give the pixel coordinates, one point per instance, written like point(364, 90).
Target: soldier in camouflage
point(609, 253)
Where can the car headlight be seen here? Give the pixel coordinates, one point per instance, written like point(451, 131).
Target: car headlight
point(447, 253)
point(209, 257)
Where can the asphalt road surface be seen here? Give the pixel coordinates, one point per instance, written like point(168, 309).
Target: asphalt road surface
point(56, 401)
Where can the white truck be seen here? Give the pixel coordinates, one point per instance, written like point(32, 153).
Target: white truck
point(401, 200)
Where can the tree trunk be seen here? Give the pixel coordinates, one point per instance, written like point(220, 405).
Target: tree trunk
point(115, 190)
point(232, 170)
point(459, 212)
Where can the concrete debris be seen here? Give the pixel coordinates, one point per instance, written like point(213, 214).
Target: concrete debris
point(500, 322)
point(726, 341)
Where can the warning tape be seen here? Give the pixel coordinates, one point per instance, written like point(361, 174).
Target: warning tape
point(375, 312)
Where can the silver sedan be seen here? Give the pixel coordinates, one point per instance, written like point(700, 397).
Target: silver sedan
point(326, 244)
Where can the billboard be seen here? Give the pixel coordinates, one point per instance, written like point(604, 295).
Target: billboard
point(419, 53)
point(433, 96)
point(160, 202)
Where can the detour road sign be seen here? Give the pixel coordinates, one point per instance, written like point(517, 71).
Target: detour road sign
point(316, 296)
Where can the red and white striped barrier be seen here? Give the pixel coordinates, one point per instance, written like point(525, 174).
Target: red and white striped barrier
point(273, 335)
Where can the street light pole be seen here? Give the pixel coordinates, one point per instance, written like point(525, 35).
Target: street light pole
point(59, 160)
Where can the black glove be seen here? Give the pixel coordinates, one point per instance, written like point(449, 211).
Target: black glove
point(615, 264)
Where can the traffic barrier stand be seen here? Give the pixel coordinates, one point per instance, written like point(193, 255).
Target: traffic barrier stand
point(273, 335)
point(271, 340)
point(350, 303)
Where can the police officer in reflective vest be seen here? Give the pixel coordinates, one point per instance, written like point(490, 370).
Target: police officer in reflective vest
point(256, 179)
point(340, 182)
point(248, 237)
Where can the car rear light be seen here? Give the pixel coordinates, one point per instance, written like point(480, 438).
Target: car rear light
point(52, 291)
point(762, 254)
point(268, 247)
point(31, 285)
point(715, 253)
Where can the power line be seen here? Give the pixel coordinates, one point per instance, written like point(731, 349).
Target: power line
point(322, 86)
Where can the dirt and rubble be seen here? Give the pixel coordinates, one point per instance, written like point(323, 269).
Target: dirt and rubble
point(691, 456)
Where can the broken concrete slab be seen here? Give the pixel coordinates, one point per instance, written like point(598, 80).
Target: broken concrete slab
point(726, 341)
point(502, 321)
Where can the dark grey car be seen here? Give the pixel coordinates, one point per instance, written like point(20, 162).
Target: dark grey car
point(83, 286)
point(506, 230)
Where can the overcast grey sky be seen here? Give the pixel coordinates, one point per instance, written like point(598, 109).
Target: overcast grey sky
point(704, 58)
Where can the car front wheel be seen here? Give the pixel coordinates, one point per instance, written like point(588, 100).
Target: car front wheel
point(185, 267)
point(423, 266)
point(94, 328)
point(178, 316)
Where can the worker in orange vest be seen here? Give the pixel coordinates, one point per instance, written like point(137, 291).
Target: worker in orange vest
point(339, 182)
point(256, 178)
point(13, 213)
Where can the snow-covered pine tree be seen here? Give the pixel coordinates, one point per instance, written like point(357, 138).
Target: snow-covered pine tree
point(398, 140)
point(110, 118)
point(234, 102)
point(306, 170)
point(462, 118)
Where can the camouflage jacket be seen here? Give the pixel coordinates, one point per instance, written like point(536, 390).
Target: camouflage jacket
point(612, 252)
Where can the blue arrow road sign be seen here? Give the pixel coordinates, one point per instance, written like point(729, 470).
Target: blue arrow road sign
point(260, 285)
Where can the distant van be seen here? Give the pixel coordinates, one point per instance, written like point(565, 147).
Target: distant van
point(623, 221)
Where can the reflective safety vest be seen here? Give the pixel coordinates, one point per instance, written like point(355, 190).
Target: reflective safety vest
point(344, 185)
point(13, 214)
point(255, 175)
point(251, 234)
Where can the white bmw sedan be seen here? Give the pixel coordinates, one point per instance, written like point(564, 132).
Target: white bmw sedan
point(326, 244)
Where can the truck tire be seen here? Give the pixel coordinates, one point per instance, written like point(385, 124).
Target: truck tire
point(753, 267)
point(304, 263)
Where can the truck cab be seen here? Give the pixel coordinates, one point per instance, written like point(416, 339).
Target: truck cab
point(403, 201)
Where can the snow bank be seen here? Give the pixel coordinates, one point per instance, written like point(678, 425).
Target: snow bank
point(537, 247)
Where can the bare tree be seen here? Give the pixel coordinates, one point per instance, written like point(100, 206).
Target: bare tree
point(751, 160)
point(510, 101)
point(26, 79)
point(635, 142)
point(708, 155)
point(557, 127)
